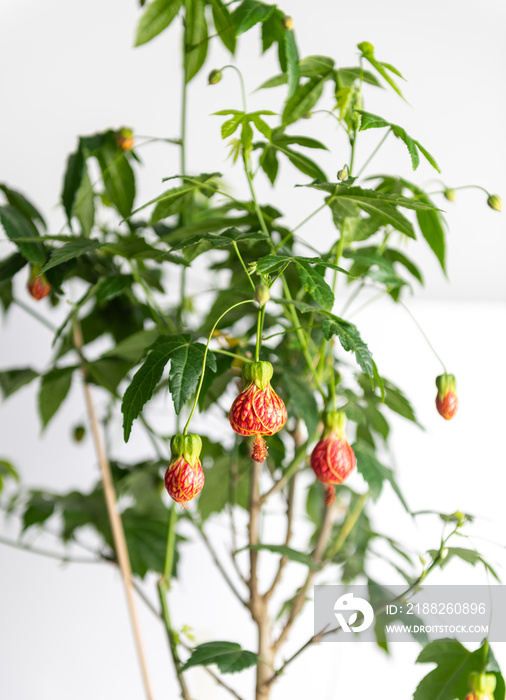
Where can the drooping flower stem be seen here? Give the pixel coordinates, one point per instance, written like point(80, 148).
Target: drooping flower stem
point(239, 303)
point(260, 327)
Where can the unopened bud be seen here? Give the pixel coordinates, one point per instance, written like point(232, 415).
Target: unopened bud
point(287, 22)
point(79, 433)
point(214, 77)
point(38, 285)
point(495, 202)
point(262, 294)
point(307, 115)
point(450, 195)
point(342, 174)
point(125, 139)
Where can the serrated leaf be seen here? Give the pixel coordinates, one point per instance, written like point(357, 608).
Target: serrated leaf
point(69, 251)
point(228, 656)
point(185, 370)
point(292, 61)
point(84, 206)
point(373, 121)
point(146, 379)
point(195, 37)
point(23, 205)
point(133, 348)
point(350, 339)
point(314, 283)
point(450, 679)
point(288, 552)
point(20, 231)
point(54, 388)
point(375, 473)
point(396, 401)
point(72, 181)
point(118, 176)
point(157, 17)
point(13, 379)
point(249, 13)
point(470, 556)
point(301, 162)
point(303, 100)
point(224, 24)
point(11, 266)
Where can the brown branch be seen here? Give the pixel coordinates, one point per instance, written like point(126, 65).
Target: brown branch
point(317, 557)
point(289, 520)
point(114, 517)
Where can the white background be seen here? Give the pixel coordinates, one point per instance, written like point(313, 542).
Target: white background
point(69, 69)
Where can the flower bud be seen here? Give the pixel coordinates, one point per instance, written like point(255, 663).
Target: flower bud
point(125, 139)
point(333, 459)
point(262, 294)
point(495, 202)
point(450, 195)
point(258, 410)
point(342, 174)
point(214, 77)
point(287, 22)
point(446, 399)
point(482, 685)
point(184, 478)
point(79, 433)
point(38, 285)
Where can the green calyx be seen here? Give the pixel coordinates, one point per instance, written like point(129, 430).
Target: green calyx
point(259, 373)
point(187, 446)
point(334, 422)
point(482, 684)
point(262, 294)
point(445, 383)
point(214, 77)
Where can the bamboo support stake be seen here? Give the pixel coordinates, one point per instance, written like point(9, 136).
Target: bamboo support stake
point(118, 533)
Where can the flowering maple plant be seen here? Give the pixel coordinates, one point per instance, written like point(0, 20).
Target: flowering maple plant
point(271, 328)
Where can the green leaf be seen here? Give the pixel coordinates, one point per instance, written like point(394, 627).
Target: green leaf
point(350, 339)
point(431, 226)
point(470, 556)
point(372, 121)
point(367, 50)
point(454, 663)
point(292, 61)
point(287, 552)
point(157, 17)
point(301, 400)
point(133, 348)
point(224, 24)
point(301, 162)
point(13, 379)
point(17, 226)
point(396, 401)
point(249, 13)
point(84, 205)
point(227, 479)
point(223, 239)
point(228, 656)
point(185, 370)
point(113, 286)
point(118, 176)
point(54, 388)
point(11, 266)
point(72, 181)
point(195, 37)
point(7, 471)
point(314, 283)
point(146, 379)
point(23, 205)
point(69, 251)
point(374, 472)
point(303, 100)
point(40, 508)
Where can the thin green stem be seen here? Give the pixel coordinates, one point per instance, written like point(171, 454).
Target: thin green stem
point(260, 326)
point(290, 330)
point(290, 233)
point(35, 315)
point(461, 187)
point(247, 301)
point(423, 333)
point(243, 264)
point(380, 144)
point(171, 546)
point(162, 594)
point(231, 354)
point(348, 525)
point(47, 553)
point(241, 80)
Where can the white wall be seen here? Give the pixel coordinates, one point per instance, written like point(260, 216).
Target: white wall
point(68, 69)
